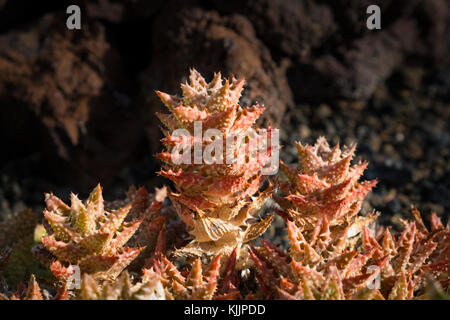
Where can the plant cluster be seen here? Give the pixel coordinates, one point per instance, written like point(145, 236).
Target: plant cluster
point(201, 240)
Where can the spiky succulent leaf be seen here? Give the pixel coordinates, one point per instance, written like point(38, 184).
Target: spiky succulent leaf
point(213, 199)
point(86, 235)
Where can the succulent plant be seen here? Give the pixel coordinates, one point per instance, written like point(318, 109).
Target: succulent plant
point(122, 288)
point(137, 248)
point(333, 254)
point(214, 284)
point(214, 198)
point(324, 184)
point(88, 236)
point(32, 291)
point(147, 207)
point(396, 268)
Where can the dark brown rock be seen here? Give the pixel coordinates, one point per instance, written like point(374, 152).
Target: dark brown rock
point(355, 72)
point(117, 11)
point(434, 16)
point(65, 83)
point(193, 37)
point(288, 27)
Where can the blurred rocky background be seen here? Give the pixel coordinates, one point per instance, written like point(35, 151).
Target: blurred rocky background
point(77, 107)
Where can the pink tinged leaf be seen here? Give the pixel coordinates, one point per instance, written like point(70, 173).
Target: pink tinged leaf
point(59, 226)
point(97, 263)
point(252, 187)
point(356, 171)
point(340, 243)
point(308, 160)
point(189, 114)
point(335, 192)
point(265, 276)
point(219, 99)
point(95, 243)
point(185, 214)
point(332, 209)
point(187, 180)
point(179, 290)
point(307, 184)
point(388, 244)
point(191, 95)
point(289, 291)
point(291, 175)
point(167, 270)
point(421, 255)
point(160, 248)
point(226, 186)
point(295, 240)
point(321, 231)
point(166, 157)
point(61, 272)
point(419, 222)
point(195, 278)
point(266, 290)
point(33, 291)
point(356, 283)
point(337, 172)
point(55, 204)
point(247, 118)
point(341, 261)
point(216, 82)
point(141, 198)
point(436, 223)
point(370, 242)
point(333, 288)
point(284, 295)
point(64, 251)
point(95, 202)
point(405, 247)
point(310, 206)
point(277, 258)
point(222, 121)
point(304, 204)
point(356, 264)
point(400, 289)
point(437, 268)
point(213, 277)
point(122, 237)
point(182, 141)
point(115, 220)
point(109, 267)
point(62, 293)
point(235, 89)
point(170, 101)
point(149, 231)
point(230, 278)
point(194, 202)
point(310, 279)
